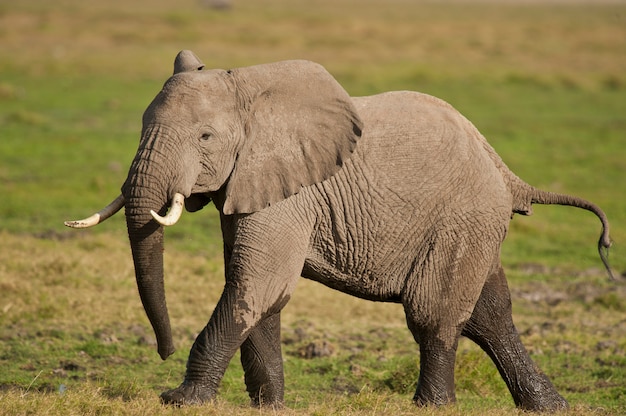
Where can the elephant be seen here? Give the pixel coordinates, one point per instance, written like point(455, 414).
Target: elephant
point(394, 197)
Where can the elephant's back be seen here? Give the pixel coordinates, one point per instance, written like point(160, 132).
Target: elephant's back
point(418, 145)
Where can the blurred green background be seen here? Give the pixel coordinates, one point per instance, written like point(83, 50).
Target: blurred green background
point(544, 83)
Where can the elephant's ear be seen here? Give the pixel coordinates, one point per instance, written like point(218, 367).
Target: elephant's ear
point(300, 126)
point(187, 61)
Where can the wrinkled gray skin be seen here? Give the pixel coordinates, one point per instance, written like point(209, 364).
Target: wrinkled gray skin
point(392, 198)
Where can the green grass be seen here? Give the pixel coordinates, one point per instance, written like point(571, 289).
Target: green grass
point(545, 83)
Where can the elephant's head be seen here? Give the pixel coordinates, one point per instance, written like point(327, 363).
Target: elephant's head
point(245, 138)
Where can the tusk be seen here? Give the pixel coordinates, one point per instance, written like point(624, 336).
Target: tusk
point(178, 202)
point(100, 216)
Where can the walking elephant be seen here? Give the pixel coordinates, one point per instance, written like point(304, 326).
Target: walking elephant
point(393, 198)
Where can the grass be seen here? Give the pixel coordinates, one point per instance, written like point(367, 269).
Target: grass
point(65, 346)
point(545, 83)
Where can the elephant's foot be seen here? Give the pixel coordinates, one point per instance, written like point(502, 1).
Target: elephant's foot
point(187, 394)
point(267, 397)
point(435, 386)
point(555, 404)
point(428, 397)
point(271, 404)
point(541, 397)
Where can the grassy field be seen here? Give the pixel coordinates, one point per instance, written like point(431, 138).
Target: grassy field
point(545, 83)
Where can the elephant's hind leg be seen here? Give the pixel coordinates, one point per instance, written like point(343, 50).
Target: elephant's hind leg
point(263, 363)
point(435, 385)
point(491, 327)
point(438, 301)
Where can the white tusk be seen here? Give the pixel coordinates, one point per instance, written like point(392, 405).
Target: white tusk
point(100, 216)
point(178, 202)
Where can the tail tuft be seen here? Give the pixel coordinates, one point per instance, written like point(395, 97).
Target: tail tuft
point(603, 250)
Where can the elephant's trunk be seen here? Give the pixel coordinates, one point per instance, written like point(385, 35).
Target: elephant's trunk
point(146, 241)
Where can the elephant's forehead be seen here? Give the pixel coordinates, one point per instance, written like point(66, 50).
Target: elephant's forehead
point(189, 97)
point(191, 90)
point(195, 83)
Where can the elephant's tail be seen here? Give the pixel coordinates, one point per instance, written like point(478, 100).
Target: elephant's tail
point(550, 198)
point(524, 195)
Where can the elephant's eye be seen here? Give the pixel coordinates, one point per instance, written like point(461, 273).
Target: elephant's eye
point(206, 136)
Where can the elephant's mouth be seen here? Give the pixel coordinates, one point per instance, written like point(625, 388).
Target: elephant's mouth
point(195, 202)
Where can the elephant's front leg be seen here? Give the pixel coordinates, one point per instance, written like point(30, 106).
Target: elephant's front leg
point(210, 354)
point(233, 320)
point(262, 362)
point(264, 266)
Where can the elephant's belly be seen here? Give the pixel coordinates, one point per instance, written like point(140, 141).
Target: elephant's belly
point(363, 244)
point(365, 285)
